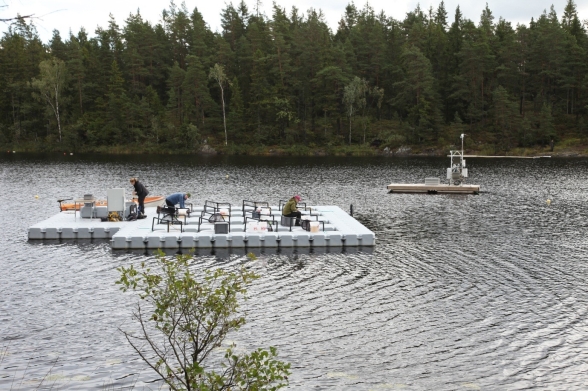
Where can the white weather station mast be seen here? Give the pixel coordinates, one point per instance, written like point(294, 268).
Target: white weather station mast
point(457, 172)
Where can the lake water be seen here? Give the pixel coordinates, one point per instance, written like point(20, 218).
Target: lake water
point(461, 292)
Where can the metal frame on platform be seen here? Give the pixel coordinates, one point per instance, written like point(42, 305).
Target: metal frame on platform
point(168, 215)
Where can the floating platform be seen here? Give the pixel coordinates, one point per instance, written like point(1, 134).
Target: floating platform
point(340, 229)
point(433, 189)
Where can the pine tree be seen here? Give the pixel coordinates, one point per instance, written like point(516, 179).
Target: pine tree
point(417, 98)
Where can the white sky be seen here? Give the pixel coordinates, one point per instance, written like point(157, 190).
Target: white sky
point(66, 15)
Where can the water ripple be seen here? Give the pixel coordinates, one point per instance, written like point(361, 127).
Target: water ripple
point(460, 293)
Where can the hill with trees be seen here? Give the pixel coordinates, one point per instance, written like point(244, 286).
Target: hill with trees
point(288, 83)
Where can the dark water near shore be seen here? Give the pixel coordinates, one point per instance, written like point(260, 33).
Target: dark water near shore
point(461, 292)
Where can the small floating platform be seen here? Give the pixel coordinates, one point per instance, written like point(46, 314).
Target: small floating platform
point(433, 189)
point(340, 229)
point(456, 175)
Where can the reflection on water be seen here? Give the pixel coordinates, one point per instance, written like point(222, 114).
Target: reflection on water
point(460, 292)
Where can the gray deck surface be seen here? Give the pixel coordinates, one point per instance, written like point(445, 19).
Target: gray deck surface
point(340, 230)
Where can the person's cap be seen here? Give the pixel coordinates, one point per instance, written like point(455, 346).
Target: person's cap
point(298, 198)
point(189, 195)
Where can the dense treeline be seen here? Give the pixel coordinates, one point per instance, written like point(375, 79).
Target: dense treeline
point(289, 80)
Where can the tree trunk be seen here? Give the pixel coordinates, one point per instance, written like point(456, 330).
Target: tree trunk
point(57, 111)
point(224, 117)
point(350, 116)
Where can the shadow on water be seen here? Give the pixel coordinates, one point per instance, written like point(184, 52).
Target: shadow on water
point(225, 253)
point(88, 245)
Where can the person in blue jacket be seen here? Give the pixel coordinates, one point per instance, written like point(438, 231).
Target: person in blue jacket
point(177, 198)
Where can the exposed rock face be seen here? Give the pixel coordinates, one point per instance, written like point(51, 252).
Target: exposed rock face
point(403, 150)
point(207, 150)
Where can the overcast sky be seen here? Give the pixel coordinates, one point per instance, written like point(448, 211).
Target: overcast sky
point(66, 15)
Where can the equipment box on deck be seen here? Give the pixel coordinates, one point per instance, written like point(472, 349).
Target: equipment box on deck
point(221, 227)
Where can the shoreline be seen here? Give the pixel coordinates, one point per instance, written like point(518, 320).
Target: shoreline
point(304, 151)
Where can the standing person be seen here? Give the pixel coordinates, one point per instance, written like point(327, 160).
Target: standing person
point(177, 198)
point(551, 144)
point(291, 208)
point(141, 192)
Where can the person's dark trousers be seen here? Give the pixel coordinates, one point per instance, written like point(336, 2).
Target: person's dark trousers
point(295, 214)
point(141, 208)
point(169, 204)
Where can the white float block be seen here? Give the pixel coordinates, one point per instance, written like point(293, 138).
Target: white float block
point(119, 243)
point(99, 233)
point(252, 240)
point(318, 240)
point(237, 240)
point(51, 233)
point(68, 233)
point(221, 240)
point(302, 240)
point(350, 240)
point(367, 240)
point(36, 233)
point(286, 239)
point(188, 241)
point(84, 233)
point(136, 242)
point(170, 242)
point(270, 240)
point(205, 240)
point(154, 242)
point(333, 239)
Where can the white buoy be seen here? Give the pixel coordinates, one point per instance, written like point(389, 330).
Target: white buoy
point(36, 196)
point(227, 177)
point(548, 202)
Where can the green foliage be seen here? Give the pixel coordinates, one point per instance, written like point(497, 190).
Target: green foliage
point(185, 317)
point(164, 86)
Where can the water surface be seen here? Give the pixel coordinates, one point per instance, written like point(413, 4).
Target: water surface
point(460, 291)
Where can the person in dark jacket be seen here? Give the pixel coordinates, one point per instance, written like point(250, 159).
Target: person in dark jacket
point(291, 208)
point(141, 192)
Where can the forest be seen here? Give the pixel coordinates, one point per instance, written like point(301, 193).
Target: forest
point(289, 84)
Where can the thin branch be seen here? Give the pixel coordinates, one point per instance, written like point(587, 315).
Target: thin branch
point(151, 344)
point(18, 17)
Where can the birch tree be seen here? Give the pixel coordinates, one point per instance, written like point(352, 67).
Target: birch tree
point(354, 98)
point(218, 73)
point(50, 84)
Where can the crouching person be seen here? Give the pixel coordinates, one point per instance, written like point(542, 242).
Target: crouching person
point(291, 208)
